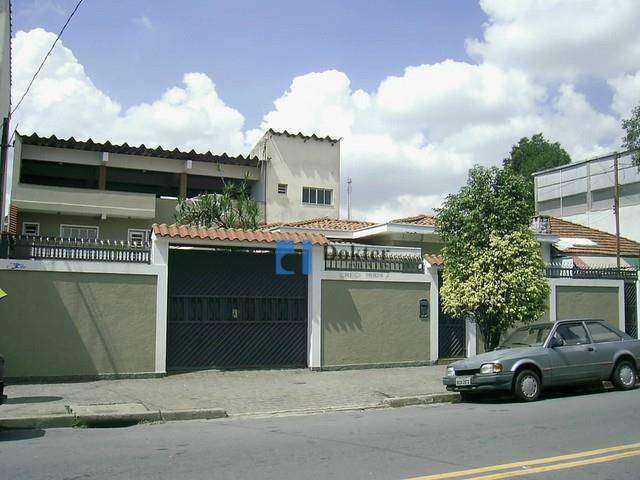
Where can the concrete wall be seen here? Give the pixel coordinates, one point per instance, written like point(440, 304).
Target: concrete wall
point(67, 323)
point(588, 302)
point(298, 163)
point(369, 323)
point(109, 229)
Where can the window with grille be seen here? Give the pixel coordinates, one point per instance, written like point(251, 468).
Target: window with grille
point(138, 235)
point(79, 232)
point(317, 196)
point(282, 188)
point(31, 229)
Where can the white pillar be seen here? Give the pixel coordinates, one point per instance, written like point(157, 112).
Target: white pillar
point(433, 314)
point(472, 337)
point(621, 310)
point(160, 257)
point(314, 308)
point(553, 316)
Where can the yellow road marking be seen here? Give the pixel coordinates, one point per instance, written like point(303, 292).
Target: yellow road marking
point(559, 466)
point(528, 463)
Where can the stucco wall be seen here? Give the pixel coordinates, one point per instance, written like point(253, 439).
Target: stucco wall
point(298, 163)
point(65, 324)
point(588, 302)
point(369, 323)
point(109, 229)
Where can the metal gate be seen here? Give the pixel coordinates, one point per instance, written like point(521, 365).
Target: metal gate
point(631, 309)
point(228, 309)
point(451, 332)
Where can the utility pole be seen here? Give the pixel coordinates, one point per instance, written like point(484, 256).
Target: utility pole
point(616, 205)
point(349, 198)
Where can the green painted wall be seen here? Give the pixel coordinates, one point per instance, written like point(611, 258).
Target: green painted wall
point(110, 229)
point(59, 323)
point(368, 323)
point(588, 302)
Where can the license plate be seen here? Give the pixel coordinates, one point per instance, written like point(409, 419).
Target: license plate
point(463, 381)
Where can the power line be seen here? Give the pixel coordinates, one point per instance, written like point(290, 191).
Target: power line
point(45, 57)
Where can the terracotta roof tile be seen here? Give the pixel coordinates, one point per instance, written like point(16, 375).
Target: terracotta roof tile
point(262, 236)
point(326, 223)
point(606, 242)
point(125, 149)
point(434, 260)
point(424, 220)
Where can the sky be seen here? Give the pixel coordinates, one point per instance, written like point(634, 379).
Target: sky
point(418, 91)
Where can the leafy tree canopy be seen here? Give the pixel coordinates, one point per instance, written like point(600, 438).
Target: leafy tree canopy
point(533, 154)
point(233, 208)
point(631, 139)
point(501, 286)
point(493, 270)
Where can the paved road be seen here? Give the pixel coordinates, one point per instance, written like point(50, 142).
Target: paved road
point(376, 444)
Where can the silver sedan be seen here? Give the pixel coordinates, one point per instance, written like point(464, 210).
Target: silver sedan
point(550, 354)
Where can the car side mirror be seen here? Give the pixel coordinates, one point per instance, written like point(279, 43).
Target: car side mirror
point(556, 342)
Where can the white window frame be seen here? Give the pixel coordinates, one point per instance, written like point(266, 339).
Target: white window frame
point(317, 189)
point(145, 231)
point(24, 224)
point(93, 227)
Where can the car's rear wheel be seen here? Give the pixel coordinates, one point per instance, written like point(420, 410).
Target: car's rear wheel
point(527, 386)
point(624, 375)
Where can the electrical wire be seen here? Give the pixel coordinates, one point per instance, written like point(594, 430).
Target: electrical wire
point(45, 57)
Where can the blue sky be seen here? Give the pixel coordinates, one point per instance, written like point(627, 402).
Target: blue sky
point(419, 91)
point(251, 49)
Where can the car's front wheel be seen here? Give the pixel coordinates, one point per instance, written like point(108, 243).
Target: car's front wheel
point(527, 386)
point(624, 375)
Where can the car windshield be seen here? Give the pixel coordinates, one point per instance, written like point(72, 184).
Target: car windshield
point(531, 336)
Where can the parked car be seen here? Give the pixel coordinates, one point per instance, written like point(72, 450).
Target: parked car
point(543, 355)
point(3, 397)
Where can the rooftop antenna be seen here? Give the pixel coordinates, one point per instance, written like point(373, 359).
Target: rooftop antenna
point(349, 198)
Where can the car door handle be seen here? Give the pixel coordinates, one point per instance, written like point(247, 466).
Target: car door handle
point(591, 349)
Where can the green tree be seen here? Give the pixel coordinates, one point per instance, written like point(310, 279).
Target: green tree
point(493, 270)
point(631, 138)
point(533, 154)
point(233, 208)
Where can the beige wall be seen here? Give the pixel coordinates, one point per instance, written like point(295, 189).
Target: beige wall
point(588, 302)
point(298, 163)
point(65, 324)
point(369, 323)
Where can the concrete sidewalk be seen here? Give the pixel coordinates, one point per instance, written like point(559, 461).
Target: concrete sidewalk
point(210, 394)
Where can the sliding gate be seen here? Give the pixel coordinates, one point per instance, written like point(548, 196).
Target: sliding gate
point(228, 309)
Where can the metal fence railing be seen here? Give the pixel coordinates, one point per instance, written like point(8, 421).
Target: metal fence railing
point(611, 273)
point(23, 247)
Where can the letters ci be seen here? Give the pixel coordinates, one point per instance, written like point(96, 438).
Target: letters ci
point(286, 247)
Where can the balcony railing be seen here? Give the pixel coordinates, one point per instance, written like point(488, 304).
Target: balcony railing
point(609, 273)
point(22, 247)
point(541, 224)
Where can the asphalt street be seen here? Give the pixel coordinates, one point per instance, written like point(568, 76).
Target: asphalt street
point(589, 436)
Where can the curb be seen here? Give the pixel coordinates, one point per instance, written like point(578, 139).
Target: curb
point(193, 414)
point(43, 421)
point(422, 399)
point(115, 419)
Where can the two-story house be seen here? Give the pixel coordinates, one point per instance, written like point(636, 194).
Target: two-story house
point(89, 190)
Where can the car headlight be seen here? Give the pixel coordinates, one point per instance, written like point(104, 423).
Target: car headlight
point(491, 368)
point(451, 372)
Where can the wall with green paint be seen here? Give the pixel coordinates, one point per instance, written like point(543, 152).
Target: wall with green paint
point(112, 228)
point(67, 324)
point(373, 323)
point(588, 302)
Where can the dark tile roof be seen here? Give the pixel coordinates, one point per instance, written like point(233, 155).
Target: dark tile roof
point(262, 236)
point(423, 220)
point(126, 149)
point(304, 137)
point(605, 242)
point(326, 223)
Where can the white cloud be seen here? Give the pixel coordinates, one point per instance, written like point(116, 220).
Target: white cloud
point(561, 39)
point(144, 22)
point(64, 101)
point(406, 143)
